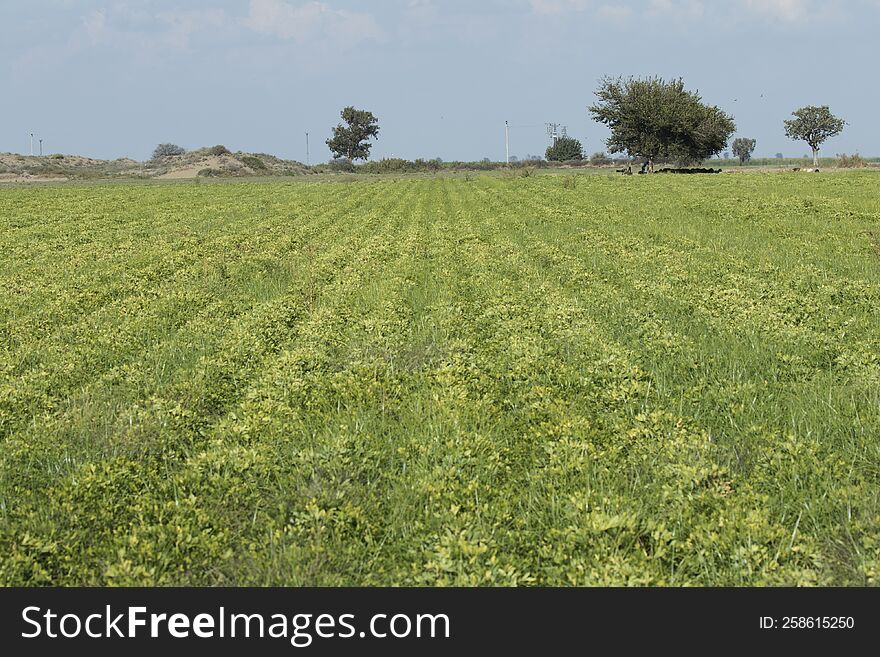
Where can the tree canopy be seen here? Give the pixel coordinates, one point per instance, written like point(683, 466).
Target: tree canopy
point(352, 140)
point(814, 125)
point(653, 118)
point(743, 148)
point(167, 150)
point(565, 149)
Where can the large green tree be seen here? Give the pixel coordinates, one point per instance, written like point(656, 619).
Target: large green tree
point(743, 147)
point(352, 140)
point(565, 149)
point(654, 118)
point(813, 125)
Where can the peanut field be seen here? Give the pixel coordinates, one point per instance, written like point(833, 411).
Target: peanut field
point(496, 381)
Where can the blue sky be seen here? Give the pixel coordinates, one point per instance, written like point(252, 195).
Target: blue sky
point(112, 78)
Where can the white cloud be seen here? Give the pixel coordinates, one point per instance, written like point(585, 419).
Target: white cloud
point(551, 7)
point(614, 13)
point(305, 22)
point(787, 10)
point(689, 8)
point(620, 11)
point(181, 25)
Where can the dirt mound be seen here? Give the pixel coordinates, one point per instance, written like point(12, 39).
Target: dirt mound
point(207, 162)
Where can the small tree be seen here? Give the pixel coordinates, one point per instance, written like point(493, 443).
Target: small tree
point(352, 140)
point(813, 125)
point(167, 150)
point(564, 150)
point(743, 149)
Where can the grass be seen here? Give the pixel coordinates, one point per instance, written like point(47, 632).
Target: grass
point(552, 380)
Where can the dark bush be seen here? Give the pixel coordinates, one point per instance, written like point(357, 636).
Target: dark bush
point(167, 150)
point(565, 149)
point(219, 150)
point(254, 163)
point(342, 165)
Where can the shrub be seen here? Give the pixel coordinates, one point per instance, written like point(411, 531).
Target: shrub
point(428, 165)
point(386, 165)
point(399, 165)
point(57, 156)
point(209, 173)
point(854, 161)
point(219, 150)
point(342, 165)
point(525, 172)
point(167, 150)
point(254, 163)
point(600, 160)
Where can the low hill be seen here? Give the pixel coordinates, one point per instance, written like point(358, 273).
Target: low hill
point(206, 162)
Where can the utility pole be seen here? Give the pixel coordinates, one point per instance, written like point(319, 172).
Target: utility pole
point(507, 141)
point(308, 163)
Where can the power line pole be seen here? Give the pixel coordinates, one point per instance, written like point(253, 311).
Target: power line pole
point(507, 141)
point(556, 132)
point(308, 157)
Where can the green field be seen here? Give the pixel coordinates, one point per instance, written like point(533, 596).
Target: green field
point(550, 380)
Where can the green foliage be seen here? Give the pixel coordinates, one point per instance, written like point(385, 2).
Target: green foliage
point(743, 147)
point(565, 149)
point(654, 119)
point(429, 381)
point(814, 125)
point(520, 172)
point(167, 150)
point(352, 140)
point(219, 150)
point(398, 165)
point(342, 165)
point(252, 162)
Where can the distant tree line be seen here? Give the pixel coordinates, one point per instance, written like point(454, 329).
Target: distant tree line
point(650, 119)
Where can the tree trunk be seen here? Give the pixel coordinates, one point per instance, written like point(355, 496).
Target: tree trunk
point(815, 158)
